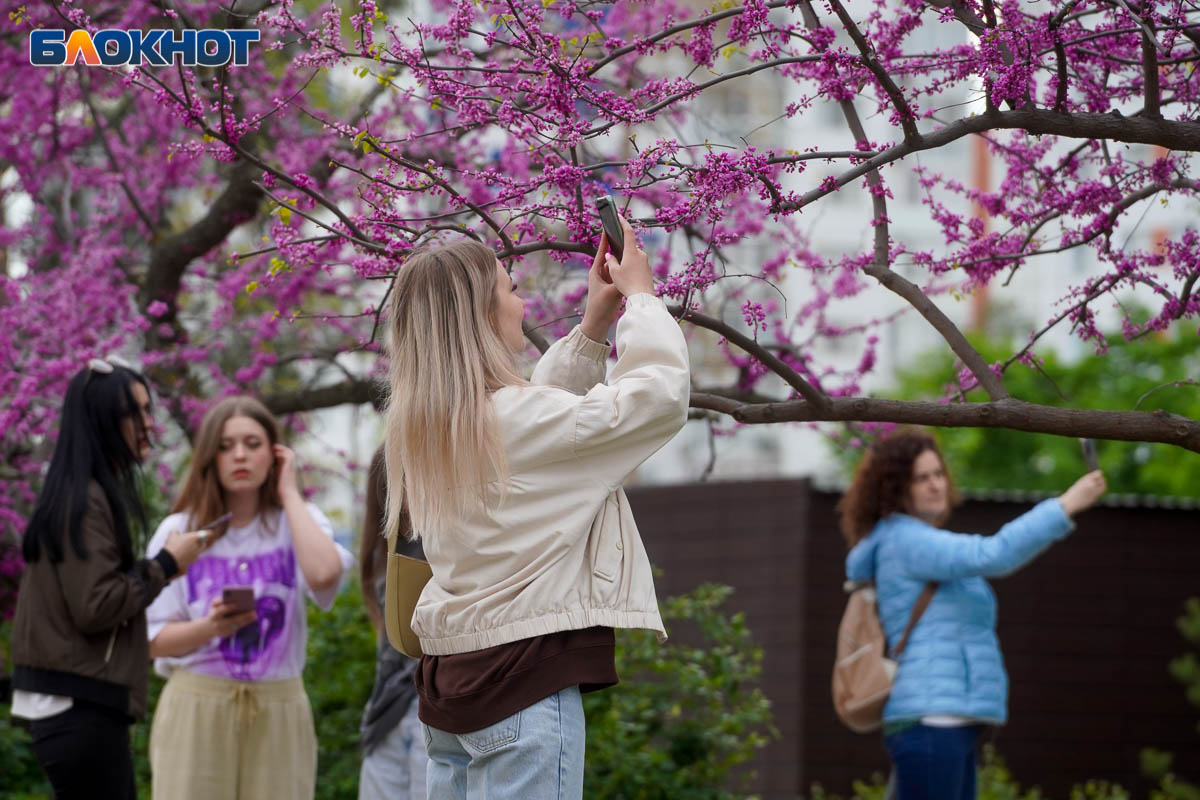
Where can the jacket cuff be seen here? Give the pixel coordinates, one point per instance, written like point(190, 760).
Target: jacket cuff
point(644, 300)
point(170, 566)
point(582, 345)
point(1056, 516)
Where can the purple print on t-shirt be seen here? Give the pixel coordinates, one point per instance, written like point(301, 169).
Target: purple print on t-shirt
point(273, 566)
point(243, 649)
point(253, 649)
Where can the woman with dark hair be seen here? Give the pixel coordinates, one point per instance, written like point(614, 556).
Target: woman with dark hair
point(79, 636)
point(234, 721)
point(951, 679)
point(394, 757)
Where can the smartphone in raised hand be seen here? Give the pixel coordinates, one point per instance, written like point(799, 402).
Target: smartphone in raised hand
point(607, 208)
point(1089, 454)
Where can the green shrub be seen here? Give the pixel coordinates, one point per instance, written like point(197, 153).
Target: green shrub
point(995, 782)
point(686, 714)
point(338, 675)
point(1186, 670)
point(22, 777)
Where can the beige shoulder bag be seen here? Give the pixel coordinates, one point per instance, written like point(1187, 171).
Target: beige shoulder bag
point(406, 577)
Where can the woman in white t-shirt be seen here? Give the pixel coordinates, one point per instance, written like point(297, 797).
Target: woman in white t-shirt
point(233, 720)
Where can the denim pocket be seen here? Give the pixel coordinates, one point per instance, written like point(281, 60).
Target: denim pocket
point(492, 737)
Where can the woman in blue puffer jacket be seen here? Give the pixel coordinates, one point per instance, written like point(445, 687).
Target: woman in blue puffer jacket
point(951, 681)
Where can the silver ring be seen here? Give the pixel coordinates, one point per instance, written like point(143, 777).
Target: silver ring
point(203, 537)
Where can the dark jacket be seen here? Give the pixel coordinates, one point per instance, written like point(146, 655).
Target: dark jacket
point(80, 626)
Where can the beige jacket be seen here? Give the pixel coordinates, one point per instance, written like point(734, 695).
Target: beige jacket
point(557, 548)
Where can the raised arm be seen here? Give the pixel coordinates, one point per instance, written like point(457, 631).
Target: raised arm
point(99, 593)
point(316, 553)
point(933, 555)
point(577, 361)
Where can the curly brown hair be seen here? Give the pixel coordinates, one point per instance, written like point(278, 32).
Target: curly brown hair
point(882, 480)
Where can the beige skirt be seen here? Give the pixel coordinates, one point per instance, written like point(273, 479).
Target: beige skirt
point(234, 740)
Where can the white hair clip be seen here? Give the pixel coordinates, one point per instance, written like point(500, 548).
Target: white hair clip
point(105, 365)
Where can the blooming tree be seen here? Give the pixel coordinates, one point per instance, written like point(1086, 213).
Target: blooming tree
point(238, 226)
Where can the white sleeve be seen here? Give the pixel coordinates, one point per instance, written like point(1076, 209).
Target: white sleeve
point(645, 403)
point(575, 363)
point(171, 603)
point(324, 600)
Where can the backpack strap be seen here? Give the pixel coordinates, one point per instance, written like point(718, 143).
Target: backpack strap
point(919, 607)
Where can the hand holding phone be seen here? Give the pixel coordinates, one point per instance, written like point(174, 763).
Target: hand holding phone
point(232, 611)
point(1089, 454)
point(1083, 493)
point(241, 598)
point(607, 208)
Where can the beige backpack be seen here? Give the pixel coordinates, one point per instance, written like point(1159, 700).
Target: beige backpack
point(862, 672)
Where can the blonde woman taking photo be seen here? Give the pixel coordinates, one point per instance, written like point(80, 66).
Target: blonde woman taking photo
point(514, 490)
point(234, 721)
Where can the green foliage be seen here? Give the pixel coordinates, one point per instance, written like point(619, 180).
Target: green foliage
point(140, 742)
point(338, 676)
point(1152, 370)
point(686, 714)
point(1186, 670)
point(995, 782)
point(22, 777)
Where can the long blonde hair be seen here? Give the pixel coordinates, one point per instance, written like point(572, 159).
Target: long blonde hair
point(442, 445)
point(202, 497)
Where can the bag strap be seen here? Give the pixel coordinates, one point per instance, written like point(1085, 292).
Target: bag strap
point(919, 607)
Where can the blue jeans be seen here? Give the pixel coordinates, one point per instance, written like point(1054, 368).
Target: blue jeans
point(536, 754)
point(934, 763)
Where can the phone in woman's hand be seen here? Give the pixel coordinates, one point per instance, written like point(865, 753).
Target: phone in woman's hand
point(607, 208)
point(1089, 454)
point(240, 597)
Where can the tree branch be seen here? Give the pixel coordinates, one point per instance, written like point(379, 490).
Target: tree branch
point(880, 268)
point(112, 159)
point(674, 29)
point(700, 88)
point(1152, 107)
point(1147, 31)
point(1129, 426)
point(1169, 134)
point(169, 260)
point(355, 391)
point(907, 123)
point(806, 390)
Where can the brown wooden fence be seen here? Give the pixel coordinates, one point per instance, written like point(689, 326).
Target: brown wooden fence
point(1087, 629)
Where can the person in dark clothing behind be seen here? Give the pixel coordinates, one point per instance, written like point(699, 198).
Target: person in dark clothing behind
point(79, 645)
point(394, 757)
